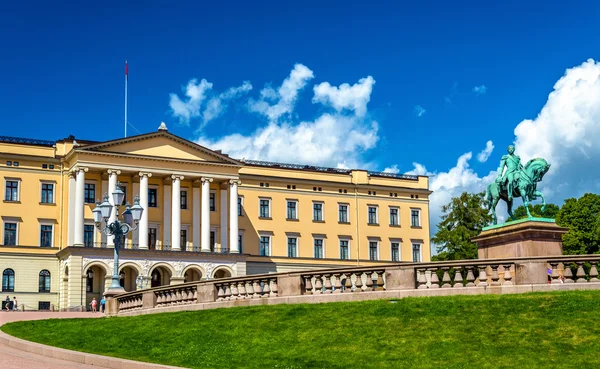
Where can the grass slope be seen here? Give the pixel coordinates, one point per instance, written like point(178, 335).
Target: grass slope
point(558, 329)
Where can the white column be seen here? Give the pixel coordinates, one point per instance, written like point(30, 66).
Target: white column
point(71, 215)
point(223, 214)
point(233, 216)
point(143, 226)
point(135, 235)
point(79, 192)
point(205, 226)
point(176, 213)
point(166, 214)
point(196, 216)
point(112, 186)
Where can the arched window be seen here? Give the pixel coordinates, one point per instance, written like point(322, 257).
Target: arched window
point(44, 281)
point(8, 280)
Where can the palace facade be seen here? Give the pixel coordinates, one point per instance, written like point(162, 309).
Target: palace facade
point(206, 215)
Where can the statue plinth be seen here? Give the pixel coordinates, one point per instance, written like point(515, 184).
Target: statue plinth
point(521, 238)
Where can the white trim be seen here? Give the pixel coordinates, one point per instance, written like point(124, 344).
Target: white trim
point(260, 235)
point(241, 246)
point(18, 180)
point(376, 213)
point(187, 198)
point(287, 245)
point(347, 239)
point(397, 215)
point(241, 204)
point(212, 193)
point(158, 238)
point(399, 242)
point(267, 199)
point(45, 223)
point(297, 209)
point(8, 220)
point(95, 183)
point(378, 248)
point(87, 223)
point(186, 228)
point(154, 187)
point(322, 210)
point(50, 182)
point(420, 251)
point(419, 210)
point(340, 204)
point(322, 238)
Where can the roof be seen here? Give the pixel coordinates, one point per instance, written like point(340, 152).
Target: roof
point(26, 141)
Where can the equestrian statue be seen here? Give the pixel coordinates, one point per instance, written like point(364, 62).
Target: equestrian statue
point(517, 181)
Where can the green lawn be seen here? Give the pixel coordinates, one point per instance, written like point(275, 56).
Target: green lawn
point(541, 330)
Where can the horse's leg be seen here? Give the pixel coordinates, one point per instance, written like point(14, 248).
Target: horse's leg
point(494, 204)
point(525, 198)
point(538, 193)
point(509, 204)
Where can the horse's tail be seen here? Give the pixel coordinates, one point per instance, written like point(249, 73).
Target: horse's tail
point(488, 196)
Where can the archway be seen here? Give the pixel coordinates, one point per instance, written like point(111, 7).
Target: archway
point(128, 276)
point(221, 273)
point(160, 276)
point(192, 274)
point(95, 277)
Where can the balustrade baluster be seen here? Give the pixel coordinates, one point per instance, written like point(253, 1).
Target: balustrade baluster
point(308, 287)
point(379, 280)
point(554, 275)
point(458, 279)
point(421, 279)
point(169, 297)
point(348, 282)
point(257, 289)
point(234, 291)
point(327, 283)
point(594, 272)
point(580, 273)
point(435, 281)
point(318, 285)
point(274, 288)
point(369, 282)
point(242, 290)
point(227, 295)
point(470, 276)
point(220, 292)
point(338, 283)
point(266, 288)
point(358, 283)
point(495, 277)
point(482, 276)
point(178, 297)
point(446, 278)
point(250, 290)
point(508, 276)
point(567, 272)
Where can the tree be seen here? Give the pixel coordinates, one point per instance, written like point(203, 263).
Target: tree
point(581, 216)
point(463, 218)
point(536, 211)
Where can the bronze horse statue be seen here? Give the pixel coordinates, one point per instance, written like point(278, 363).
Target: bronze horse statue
point(525, 186)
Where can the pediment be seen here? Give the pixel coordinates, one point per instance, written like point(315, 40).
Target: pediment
point(161, 145)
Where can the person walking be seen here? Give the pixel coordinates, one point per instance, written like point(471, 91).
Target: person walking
point(15, 304)
point(7, 306)
point(94, 303)
point(102, 304)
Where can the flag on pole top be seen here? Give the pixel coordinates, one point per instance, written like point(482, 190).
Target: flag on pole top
point(126, 70)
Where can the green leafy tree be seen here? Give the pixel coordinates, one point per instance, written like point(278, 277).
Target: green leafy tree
point(581, 216)
point(463, 218)
point(536, 211)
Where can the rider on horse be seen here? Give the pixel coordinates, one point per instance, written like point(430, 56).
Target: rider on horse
point(513, 165)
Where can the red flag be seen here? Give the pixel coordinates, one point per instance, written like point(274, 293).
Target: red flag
point(126, 70)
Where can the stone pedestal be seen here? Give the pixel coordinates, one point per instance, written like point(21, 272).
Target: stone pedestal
point(521, 238)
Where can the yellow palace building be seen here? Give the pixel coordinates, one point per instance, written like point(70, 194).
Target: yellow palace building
point(206, 215)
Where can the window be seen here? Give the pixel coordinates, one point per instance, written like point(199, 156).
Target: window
point(152, 236)
point(373, 215)
point(124, 189)
point(395, 251)
point(47, 193)
point(51, 166)
point(183, 239)
point(264, 245)
point(16, 163)
point(9, 163)
point(12, 191)
point(46, 235)
point(212, 201)
point(415, 218)
point(240, 205)
point(344, 250)
point(44, 285)
point(318, 211)
point(10, 234)
point(213, 237)
point(265, 208)
point(292, 210)
point(152, 197)
point(43, 305)
point(88, 235)
point(89, 193)
point(416, 252)
point(318, 248)
point(394, 217)
point(373, 246)
point(241, 243)
point(343, 213)
point(292, 247)
point(8, 280)
point(183, 199)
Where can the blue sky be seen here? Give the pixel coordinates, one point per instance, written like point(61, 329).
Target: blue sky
point(61, 73)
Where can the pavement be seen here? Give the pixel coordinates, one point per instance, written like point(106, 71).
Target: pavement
point(11, 358)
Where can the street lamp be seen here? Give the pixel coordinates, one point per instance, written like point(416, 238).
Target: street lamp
point(131, 218)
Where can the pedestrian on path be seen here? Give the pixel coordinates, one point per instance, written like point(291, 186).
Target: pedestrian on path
point(94, 303)
point(7, 306)
point(15, 304)
point(102, 304)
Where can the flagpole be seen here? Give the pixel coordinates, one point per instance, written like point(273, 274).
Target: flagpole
point(126, 77)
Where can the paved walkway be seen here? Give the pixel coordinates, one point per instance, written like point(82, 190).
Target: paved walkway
point(11, 358)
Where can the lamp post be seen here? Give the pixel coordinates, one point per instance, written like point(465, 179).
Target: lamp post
point(131, 218)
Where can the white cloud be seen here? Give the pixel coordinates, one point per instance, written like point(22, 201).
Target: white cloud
point(218, 104)
point(485, 153)
point(285, 97)
point(393, 169)
point(419, 111)
point(479, 90)
point(355, 97)
point(189, 108)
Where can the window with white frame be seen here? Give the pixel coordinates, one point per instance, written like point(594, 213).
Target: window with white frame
point(46, 230)
point(213, 240)
point(344, 249)
point(152, 237)
point(264, 210)
point(292, 209)
point(241, 242)
point(318, 243)
point(395, 245)
point(343, 213)
point(318, 211)
point(124, 189)
point(292, 243)
point(8, 280)
point(44, 281)
point(415, 217)
point(88, 235)
point(373, 250)
point(11, 189)
point(11, 233)
point(416, 252)
point(265, 245)
point(240, 206)
point(212, 200)
point(89, 193)
point(373, 215)
point(394, 217)
point(183, 199)
point(152, 197)
point(47, 193)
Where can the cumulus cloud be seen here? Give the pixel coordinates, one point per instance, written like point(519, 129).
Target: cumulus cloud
point(393, 169)
point(218, 104)
point(355, 97)
point(419, 110)
point(479, 90)
point(483, 156)
point(275, 104)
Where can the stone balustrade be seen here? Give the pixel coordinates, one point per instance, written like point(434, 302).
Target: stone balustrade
point(379, 280)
